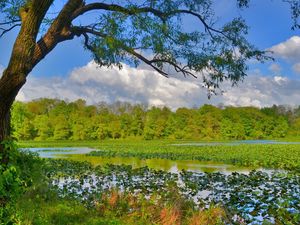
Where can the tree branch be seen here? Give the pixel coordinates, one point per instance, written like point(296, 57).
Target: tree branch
point(4, 31)
point(137, 10)
point(180, 69)
point(9, 22)
point(57, 32)
point(117, 8)
point(84, 31)
point(207, 27)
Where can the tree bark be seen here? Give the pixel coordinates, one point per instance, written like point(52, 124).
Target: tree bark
point(4, 133)
point(26, 54)
point(20, 65)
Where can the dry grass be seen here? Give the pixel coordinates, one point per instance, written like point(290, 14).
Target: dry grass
point(170, 216)
point(138, 210)
point(113, 198)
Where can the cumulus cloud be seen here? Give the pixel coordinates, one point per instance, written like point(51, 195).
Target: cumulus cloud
point(111, 84)
point(289, 49)
point(263, 91)
point(141, 85)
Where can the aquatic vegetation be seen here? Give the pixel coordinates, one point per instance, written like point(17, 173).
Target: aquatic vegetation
point(121, 191)
point(254, 198)
point(279, 156)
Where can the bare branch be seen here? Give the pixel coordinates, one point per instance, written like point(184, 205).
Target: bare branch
point(207, 27)
point(9, 22)
point(84, 30)
point(4, 31)
point(180, 69)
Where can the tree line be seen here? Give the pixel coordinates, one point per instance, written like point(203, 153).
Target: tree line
point(53, 119)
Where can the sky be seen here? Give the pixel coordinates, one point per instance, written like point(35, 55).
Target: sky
point(69, 73)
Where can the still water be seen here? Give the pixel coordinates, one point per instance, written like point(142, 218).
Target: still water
point(174, 166)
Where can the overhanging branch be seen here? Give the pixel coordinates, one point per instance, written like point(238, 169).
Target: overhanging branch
point(151, 62)
point(117, 8)
point(10, 22)
point(5, 30)
point(138, 10)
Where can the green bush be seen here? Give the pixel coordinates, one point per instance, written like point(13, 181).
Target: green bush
point(17, 176)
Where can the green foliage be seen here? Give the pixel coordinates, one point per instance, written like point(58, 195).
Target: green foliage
point(220, 52)
point(22, 171)
point(49, 119)
point(285, 156)
point(10, 182)
point(278, 156)
point(60, 212)
point(10, 8)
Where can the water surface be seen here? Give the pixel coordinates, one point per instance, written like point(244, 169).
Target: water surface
point(174, 166)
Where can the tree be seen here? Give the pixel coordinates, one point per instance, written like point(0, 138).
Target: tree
point(61, 129)
point(44, 127)
point(126, 31)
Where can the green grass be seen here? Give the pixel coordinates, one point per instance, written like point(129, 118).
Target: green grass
point(265, 155)
point(67, 143)
point(114, 208)
point(56, 211)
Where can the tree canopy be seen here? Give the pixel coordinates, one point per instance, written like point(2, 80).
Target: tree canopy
point(152, 32)
point(53, 119)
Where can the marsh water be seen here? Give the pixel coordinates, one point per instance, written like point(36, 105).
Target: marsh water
point(80, 154)
point(253, 194)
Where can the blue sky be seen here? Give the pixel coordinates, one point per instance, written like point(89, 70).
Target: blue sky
point(270, 27)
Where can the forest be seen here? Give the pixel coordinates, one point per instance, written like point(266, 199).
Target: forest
point(54, 119)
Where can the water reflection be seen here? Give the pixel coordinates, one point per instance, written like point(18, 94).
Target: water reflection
point(53, 152)
point(174, 166)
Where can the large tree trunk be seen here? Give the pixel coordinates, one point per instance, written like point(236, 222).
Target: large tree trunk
point(27, 53)
point(20, 65)
point(9, 88)
point(4, 133)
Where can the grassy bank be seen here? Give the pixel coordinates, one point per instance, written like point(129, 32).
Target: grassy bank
point(115, 208)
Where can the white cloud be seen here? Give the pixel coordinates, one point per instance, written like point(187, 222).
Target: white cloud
point(275, 68)
point(110, 84)
point(280, 80)
point(141, 85)
point(289, 50)
point(296, 67)
point(131, 84)
point(263, 91)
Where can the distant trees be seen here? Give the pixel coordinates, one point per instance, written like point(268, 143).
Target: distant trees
point(51, 119)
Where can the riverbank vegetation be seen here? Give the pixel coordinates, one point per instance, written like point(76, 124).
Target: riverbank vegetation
point(52, 119)
point(32, 193)
point(65, 191)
